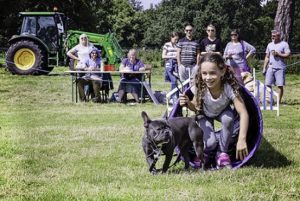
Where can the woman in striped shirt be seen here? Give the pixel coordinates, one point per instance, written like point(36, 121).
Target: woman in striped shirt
point(169, 55)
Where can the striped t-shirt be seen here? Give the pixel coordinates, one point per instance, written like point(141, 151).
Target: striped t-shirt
point(170, 50)
point(189, 50)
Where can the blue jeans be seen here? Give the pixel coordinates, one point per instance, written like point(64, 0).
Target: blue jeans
point(170, 68)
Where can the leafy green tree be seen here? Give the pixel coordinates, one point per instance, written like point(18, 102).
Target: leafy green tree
point(85, 15)
point(264, 25)
point(173, 15)
point(136, 4)
point(135, 27)
point(169, 16)
point(127, 23)
point(9, 21)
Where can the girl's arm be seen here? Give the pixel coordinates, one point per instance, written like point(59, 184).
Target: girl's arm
point(241, 147)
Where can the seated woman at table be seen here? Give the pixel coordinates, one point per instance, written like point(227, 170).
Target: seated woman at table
point(130, 83)
point(91, 79)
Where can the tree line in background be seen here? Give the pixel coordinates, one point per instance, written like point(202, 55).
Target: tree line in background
point(135, 27)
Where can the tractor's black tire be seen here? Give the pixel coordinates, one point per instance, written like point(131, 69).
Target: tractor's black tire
point(26, 58)
point(46, 69)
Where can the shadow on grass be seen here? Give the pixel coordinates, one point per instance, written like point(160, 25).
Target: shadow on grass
point(268, 157)
point(58, 74)
point(294, 84)
point(290, 101)
point(265, 157)
point(180, 170)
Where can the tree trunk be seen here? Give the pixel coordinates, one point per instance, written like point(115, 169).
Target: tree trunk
point(284, 18)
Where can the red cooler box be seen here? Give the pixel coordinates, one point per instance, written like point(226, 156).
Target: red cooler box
point(109, 68)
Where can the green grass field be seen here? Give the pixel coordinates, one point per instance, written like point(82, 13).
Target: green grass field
point(53, 149)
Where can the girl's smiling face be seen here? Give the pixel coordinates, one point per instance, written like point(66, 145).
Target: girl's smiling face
point(211, 75)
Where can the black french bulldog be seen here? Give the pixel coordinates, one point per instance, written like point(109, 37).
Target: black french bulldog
point(165, 135)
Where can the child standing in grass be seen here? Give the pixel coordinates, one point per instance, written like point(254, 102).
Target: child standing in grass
point(215, 89)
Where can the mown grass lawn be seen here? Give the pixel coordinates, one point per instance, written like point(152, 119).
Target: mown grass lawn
point(53, 149)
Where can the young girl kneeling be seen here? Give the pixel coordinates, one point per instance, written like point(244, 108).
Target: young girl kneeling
point(215, 89)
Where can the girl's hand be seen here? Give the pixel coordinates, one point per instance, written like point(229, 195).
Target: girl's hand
point(183, 99)
point(241, 150)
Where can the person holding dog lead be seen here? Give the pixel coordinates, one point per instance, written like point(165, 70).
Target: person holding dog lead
point(274, 65)
point(215, 90)
point(188, 55)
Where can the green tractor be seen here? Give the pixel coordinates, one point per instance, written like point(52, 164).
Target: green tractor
point(43, 42)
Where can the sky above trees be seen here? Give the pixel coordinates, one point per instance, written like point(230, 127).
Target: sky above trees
point(146, 3)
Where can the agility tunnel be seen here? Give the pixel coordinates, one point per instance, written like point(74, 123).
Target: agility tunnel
point(255, 129)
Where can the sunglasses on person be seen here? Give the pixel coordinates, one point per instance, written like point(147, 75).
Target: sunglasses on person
point(189, 30)
point(234, 34)
point(210, 30)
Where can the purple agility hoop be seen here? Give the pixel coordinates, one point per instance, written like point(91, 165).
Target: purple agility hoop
point(255, 130)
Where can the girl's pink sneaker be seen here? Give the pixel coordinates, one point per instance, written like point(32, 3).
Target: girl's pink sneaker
point(223, 160)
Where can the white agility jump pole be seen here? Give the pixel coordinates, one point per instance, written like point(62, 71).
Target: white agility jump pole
point(266, 100)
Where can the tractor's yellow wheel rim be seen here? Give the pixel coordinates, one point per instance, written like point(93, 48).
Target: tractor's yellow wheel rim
point(24, 59)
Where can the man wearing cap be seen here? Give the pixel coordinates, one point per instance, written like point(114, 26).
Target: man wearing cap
point(274, 65)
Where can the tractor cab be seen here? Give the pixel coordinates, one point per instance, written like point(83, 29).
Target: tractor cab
point(49, 27)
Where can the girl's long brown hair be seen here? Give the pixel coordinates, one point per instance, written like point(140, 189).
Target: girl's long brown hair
point(228, 77)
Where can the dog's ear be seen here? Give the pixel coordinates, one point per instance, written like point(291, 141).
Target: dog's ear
point(146, 119)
